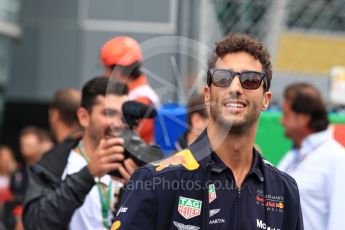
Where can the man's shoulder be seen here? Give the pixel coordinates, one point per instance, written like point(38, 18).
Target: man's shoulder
point(273, 172)
point(183, 160)
point(56, 159)
point(333, 147)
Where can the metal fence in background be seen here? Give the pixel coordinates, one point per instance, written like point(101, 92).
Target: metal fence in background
point(323, 15)
point(306, 37)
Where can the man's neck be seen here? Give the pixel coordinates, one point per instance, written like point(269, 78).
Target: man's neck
point(88, 143)
point(235, 150)
point(64, 131)
point(302, 135)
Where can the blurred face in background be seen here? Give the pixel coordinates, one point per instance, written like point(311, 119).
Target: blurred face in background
point(294, 123)
point(7, 161)
point(198, 123)
point(30, 147)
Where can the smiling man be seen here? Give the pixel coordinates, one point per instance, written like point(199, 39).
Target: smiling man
point(70, 187)
point(220, 181)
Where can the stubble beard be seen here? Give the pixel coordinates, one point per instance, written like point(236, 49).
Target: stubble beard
point(94, 136)
point(234, 127)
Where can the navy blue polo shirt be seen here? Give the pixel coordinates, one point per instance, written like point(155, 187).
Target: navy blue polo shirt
point(231, 207)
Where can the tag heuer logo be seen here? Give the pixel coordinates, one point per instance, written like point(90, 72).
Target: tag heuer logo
point(189, 208)
point(211, 193)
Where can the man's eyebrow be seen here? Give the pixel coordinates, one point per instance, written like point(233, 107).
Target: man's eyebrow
point(112, 111)
point(232, 70)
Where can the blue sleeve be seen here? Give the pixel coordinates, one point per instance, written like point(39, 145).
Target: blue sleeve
point(139, 204)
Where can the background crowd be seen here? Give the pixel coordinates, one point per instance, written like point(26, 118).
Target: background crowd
point(308, 90)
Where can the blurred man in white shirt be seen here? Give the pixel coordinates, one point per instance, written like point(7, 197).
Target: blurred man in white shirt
point(317, 161)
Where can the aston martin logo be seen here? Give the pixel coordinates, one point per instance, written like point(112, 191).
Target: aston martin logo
point(180, 226)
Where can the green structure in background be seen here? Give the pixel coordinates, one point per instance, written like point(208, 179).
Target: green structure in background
point(270, 135)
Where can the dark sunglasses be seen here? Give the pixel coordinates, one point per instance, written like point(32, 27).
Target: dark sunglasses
point(224, 77)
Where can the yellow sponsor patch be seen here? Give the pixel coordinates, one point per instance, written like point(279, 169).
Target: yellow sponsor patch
point(185, 158)
point(116, 225)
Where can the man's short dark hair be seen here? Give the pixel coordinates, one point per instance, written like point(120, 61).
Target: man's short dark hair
point(196, 104)
point(67, 101)
point(306, 99)
point(235, 43)
point(101, 86)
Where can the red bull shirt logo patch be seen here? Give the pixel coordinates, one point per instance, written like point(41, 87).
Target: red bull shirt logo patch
point(185, 158)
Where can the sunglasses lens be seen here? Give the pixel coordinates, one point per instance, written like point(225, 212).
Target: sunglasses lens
point(250, 80)
point(221, 78)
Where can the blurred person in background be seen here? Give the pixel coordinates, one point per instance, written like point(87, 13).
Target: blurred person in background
point(122, 59)
point(63, 118)
point(317, 161)
point(33, 143)
point(197, 116)
point(70, 188)
point(46, 141)
point(30, 144)
point(8, 165)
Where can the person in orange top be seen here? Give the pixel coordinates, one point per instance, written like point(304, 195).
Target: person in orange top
point(122, 58)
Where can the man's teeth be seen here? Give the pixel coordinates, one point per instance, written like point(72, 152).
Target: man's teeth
point(234, 105)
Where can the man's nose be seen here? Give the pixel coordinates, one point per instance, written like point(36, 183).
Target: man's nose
point(117, 122)
point(235, 87)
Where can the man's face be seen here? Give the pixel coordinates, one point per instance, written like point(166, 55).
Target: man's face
point(7, 161)
point(30, 146)
point(293, 122)
point(234, 107)
point(105, 119)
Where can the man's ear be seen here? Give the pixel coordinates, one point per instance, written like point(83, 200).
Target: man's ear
point(304, 119)
point(266, 101)
point(207, 96)
point(107, 71)
point(83, 117)
point(54, 116)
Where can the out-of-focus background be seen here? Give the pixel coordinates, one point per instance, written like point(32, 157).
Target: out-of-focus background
point(46, 45)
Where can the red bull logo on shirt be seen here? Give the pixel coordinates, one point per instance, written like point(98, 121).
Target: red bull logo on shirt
point(185, 158)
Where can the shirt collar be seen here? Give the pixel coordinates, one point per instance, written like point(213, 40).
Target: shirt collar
point(313, 141)
point(205, 156)
point(218, 166)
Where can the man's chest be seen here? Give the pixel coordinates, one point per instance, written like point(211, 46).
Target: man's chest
point(245, 208)
point(224, 206)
